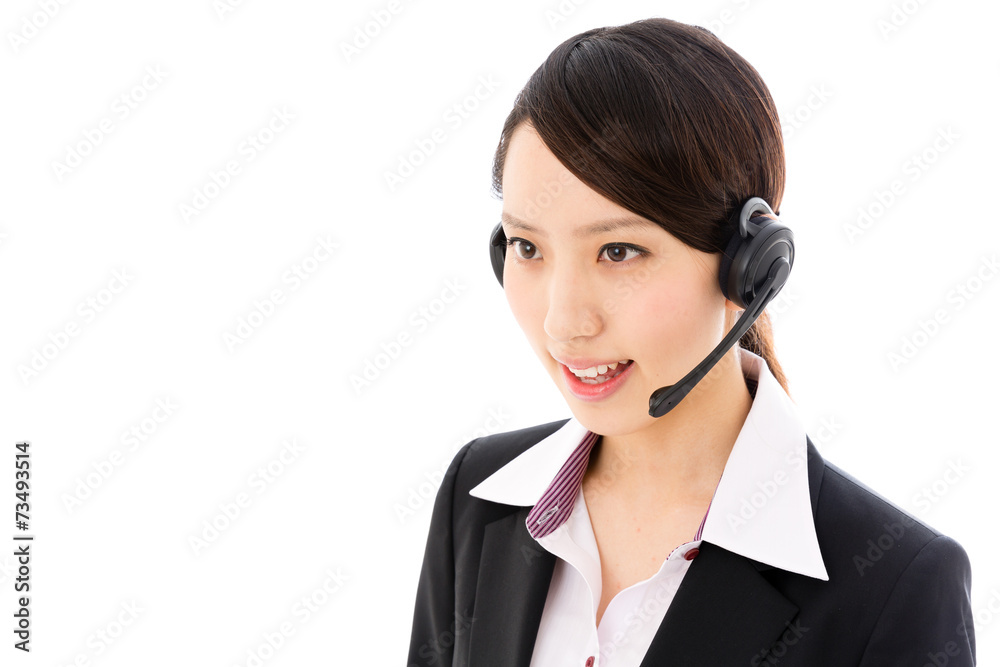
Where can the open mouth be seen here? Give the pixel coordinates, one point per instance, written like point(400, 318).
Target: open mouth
point(601, 374)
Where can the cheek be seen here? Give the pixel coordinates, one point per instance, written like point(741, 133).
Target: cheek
point(680, 316)
point(528, 310)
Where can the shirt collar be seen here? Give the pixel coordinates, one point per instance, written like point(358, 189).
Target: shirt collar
point(761, 508)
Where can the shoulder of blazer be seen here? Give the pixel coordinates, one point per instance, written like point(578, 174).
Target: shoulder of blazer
point(897, 585)
point(865, 538)
point(857, 513)
point(483, 456)
point(857, 527)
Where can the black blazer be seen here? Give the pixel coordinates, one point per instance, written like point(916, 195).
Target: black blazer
point(898, 593)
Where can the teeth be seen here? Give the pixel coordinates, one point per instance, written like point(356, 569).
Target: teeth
point(600, 369)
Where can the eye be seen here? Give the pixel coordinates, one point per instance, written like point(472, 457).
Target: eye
point(524, 249)
point(619, 252)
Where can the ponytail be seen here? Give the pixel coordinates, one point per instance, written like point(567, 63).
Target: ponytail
point(759, 339)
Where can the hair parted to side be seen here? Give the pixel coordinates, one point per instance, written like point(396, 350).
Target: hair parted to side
point(665, 120)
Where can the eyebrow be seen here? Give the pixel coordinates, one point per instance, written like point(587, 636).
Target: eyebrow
point(608, 225)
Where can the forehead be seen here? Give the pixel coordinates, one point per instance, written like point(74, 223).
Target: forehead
point(539, 191)
point(530, 165)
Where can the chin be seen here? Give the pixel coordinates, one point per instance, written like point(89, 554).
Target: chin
point(608, 424)
point(617, 417)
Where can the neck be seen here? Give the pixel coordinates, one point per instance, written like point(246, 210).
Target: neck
point(680, 457)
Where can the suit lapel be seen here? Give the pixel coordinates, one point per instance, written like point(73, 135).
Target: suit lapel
point(514, 576)
point(724, 612)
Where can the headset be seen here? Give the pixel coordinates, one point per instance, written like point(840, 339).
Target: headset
point(754, 267)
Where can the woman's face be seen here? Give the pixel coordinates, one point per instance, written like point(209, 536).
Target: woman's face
point(591, 297)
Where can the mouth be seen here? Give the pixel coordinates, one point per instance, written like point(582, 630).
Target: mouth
point(601, 373)
point(597, 382)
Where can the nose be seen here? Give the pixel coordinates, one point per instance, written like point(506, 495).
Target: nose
point(574, 307)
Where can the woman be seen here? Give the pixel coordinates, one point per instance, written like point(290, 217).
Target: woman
point(704, 532)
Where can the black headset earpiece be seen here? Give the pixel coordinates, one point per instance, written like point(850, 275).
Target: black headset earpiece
point(498, 251)
point(755, 245)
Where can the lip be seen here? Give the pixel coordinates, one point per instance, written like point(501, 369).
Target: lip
point(593, 392)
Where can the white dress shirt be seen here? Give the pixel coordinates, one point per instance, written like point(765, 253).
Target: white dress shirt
point(760, 509)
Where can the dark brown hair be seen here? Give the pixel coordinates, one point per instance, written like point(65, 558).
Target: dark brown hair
point(665, 120)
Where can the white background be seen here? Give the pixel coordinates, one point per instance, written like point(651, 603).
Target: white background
point(335, 506)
